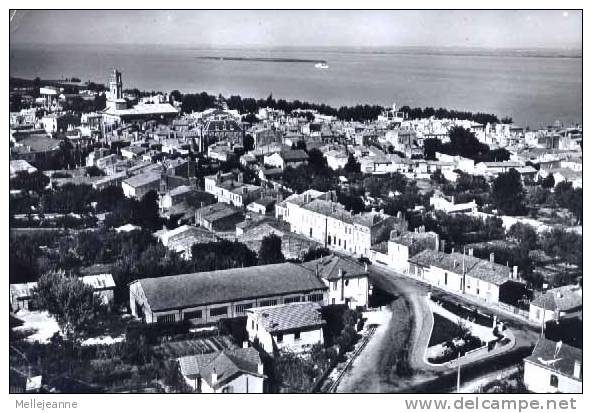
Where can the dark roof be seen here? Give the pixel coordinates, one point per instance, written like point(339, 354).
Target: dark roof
point(329, 267)
point(289, 317)
point(227, 364)
point(294, 155)
point(193, 290)
point(545, 354)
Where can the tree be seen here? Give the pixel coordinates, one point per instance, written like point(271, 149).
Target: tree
point(524, 235)
point(35, 181)
point(147, 214)
point(548, 182)
point(270, 251)
point(508, 193)
point(68, 299)
point(352, 165)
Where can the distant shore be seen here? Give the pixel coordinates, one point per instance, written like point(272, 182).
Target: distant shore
point(261, 59)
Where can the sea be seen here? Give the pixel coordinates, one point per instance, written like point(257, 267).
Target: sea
point(533, 87)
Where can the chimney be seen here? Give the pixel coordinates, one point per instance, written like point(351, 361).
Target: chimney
point(365, 267)
point(452, 251)
point(515, 272)
point(492, 257)
point(471, 251)
point(260, 368)
point(340, 273)
point(577, 370)
point(214, 377)
point(245, 344)
point(443, 244)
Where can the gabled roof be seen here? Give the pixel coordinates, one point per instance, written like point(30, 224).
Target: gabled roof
point(289, 317)
point(564, 298)
point(223, 286)
point(227, 364)
point(329, 267)
point(559, 358)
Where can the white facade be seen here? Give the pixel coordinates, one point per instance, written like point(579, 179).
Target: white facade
point(539, 379)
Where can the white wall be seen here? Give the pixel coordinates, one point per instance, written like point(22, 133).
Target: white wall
point(538, 380)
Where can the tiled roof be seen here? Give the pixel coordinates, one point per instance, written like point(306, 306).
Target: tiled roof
point(545, 354)
point(193, 290)
point(227, 364)
point(564, 298)
point(474, 267)
point(287, 317)
point(329, 267)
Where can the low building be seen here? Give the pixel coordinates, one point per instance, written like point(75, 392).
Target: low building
point(553, 367)
point(237, 370)
point(139, 185)
point(286, 326)
point(175, 196)
point(218, 217)
point(183, 238)
point(287, 158)
point(463, 274)
point(262, 206)
point(206, 297)
point(440, 203)
point(21, 296)
point(21, 166)
point(556, 304)
point(103, 286)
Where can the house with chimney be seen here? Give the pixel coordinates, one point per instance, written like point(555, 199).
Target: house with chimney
point(465, 274)
point(230, 189)
point(292, 327)
point(238, 370)
point(553, 367)
point(556, 304)
point(401, 247)
point(346, 279)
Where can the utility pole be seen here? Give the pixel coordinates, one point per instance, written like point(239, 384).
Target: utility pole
point(458, 374)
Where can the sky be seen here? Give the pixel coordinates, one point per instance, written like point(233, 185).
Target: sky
point(305, 28)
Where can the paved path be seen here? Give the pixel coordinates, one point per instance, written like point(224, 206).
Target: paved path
point(408, 333)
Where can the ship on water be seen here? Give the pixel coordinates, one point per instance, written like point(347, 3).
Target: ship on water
point(322, 65)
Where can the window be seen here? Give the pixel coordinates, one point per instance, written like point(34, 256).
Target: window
point(190, 315)
point(267, 303)
point(329, 240)
point(297, 335)
point(554, 381)
point(291, 300)
point(315, 298)
point(218, 311)
point(346, 283)
point(340, 242)
point(310, 233)
point(334, 285)
point(280, 338)
point(344, 244)
point(240, 308)
point(165, 319)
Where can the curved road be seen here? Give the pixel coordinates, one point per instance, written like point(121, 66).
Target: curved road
point(393, 361)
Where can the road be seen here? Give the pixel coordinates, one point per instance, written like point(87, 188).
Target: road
point(397, 363)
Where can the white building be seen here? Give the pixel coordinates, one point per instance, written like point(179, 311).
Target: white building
point(440, 203)
point(286, 327)
point(402, 247)
point(556, 303)
point(231, 191)
point(346, 278)
point(553, 367)
point(227, 371)
point(139, 185)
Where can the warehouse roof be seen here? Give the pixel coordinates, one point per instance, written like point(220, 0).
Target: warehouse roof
point(193, 290)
